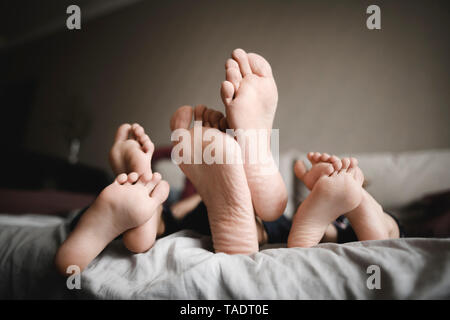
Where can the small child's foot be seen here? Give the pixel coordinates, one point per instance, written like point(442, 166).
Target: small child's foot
point(370, 222)
point(250, 97)
point(224, 190)
point(126, 203)
point(330, 197)
point(132, 150)
point(323, 165)
point(368, 219)
point(141, 238)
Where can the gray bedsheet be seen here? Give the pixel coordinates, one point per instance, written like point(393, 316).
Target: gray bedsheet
point(181, 266)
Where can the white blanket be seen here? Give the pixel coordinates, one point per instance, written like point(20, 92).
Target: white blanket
point(182, 266)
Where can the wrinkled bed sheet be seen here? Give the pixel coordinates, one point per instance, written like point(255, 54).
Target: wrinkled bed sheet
point(182, 266)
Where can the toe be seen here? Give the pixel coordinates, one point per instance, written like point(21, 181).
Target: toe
point(345, 163)
point(132, 177)
point(333, 159)
point(148, 146)
point(182, 118)
point(234, 76)
point(353, 162)
point(198, 112)
point(143, 140)
point(214, 118)
point(207, 114)
point(300, 169)
point(325, 157)
point(138, 130)
point(161, 191)
point(227, 92)
point(231, 63)
point(316, 157)
point(336, 162)
point(123, 132)
point(242, 59)
point(156, 178)
point(146, 177)
point(122, 178)
point(259, 65)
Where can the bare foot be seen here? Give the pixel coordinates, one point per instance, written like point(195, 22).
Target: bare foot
point(323, 165)
point(126, 203)
point(330, 197)
point(141, 238)
point(250, 94)
point(224, 190)
point(250, 97)
point(132, 150)
point(368, 220)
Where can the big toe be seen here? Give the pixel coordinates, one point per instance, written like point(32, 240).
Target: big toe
point(182, 118)
point(241, 58)
point(123, 132)
point(259, 65)
point(317, 171)
point(300, 169)
point(161, 191)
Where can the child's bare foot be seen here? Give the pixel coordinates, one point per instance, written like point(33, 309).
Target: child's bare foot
point(132, 150)
point(250, 97)
point(368, 220)
point(330, 197)
point(322, 165)
point(126, 203)
point(224, 190)
point(142, 238)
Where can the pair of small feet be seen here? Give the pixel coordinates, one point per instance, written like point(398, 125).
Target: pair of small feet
point(132, 153)
point(131, 205)
point(336, 189)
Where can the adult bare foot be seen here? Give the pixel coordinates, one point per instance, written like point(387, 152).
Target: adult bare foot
point(127, 203)
point(222, 187)
point(132, 150)
point(250, 97)
point(330, 197)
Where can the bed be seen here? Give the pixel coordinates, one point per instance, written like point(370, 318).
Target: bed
point(182, 265)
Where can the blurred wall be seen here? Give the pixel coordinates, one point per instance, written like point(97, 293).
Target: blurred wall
point(342, 87)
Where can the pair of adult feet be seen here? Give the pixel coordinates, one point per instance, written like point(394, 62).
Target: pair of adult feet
point(238, 192)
